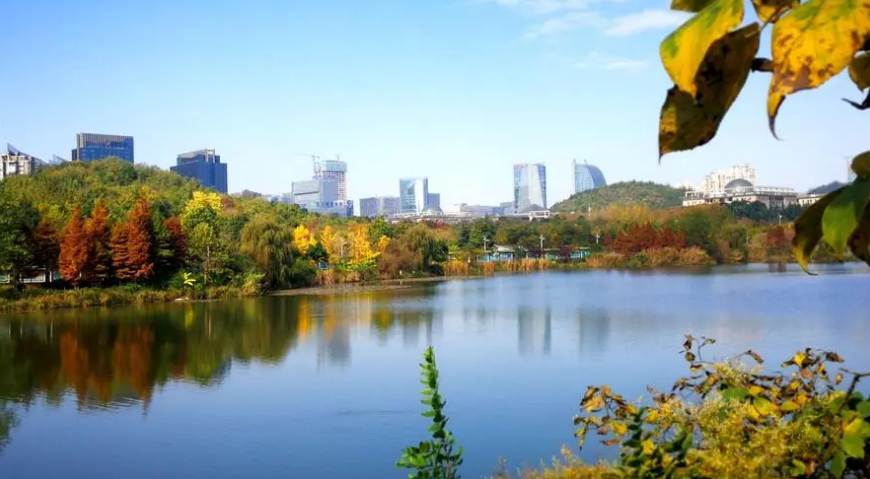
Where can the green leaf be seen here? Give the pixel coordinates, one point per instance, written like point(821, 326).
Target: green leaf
point(853, 446)
point(808, 229)
point(842, 215)
point(735, 393)
point(859, 242)
point(690, 5)
point(838, 464)
point(858, 428)
point(863, 408)
point(800, 467)
point(788, 406)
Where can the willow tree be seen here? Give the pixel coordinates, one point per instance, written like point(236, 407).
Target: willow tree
point(710, 57)
point(270, 244)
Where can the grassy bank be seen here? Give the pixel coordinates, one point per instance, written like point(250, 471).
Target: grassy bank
point(49, 299)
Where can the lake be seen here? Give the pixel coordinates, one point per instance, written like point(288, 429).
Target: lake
point(327, 386)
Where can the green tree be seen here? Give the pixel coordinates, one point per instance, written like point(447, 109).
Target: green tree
point(270, 245)
point(206, 251)
point(18, 220)
point(481, 228)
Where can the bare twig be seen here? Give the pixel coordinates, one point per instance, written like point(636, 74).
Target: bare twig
point(762, 65)
point(855, 378)
point(864, 105)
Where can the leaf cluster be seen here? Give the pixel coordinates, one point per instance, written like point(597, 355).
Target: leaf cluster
point(435, 458)
point(730, 420)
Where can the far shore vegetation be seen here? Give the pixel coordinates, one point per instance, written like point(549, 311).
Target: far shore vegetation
point(110, 233)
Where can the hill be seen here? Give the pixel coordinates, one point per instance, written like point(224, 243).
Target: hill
point(825, 189)
point(649, 194)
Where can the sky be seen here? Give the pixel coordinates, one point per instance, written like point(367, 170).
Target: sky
point(456, 90)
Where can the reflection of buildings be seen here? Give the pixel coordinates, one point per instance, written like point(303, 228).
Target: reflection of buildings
point(593, 330)
point(534, 328)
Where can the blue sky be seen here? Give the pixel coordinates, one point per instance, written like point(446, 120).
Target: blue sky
point(456, 90)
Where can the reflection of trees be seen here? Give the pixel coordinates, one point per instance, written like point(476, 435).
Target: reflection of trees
point(534, 326)
point(7, 422)
point(115, 357)
point(108, 361)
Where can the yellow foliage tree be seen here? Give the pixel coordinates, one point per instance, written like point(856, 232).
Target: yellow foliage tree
point(302, 239)
point(360, 248)
point(203, 199)
point(329, 240)
point(382, 244)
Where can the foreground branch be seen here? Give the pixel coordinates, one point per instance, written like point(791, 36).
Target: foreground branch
point(864, 105)
point(762, 65)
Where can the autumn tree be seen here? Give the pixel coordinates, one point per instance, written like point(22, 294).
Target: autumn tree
point(120, 253)
point(98, 235)
point(360, 248)
point(74, 249)
point(329, 240)
point(302, 239)
point(709, 58)
point(139, 241)
point(207, 252)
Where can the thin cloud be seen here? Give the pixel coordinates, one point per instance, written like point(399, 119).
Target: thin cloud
point(544, 7)
point(646, 20)
point(565, 23)
point(595, 60)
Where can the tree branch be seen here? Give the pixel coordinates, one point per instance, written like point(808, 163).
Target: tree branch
point(864, 105)
point(762, 65)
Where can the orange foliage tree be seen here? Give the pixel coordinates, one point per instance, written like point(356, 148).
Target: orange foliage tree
point(98, 238)
point(118, 247)
point(139, 264)
point(74, 249)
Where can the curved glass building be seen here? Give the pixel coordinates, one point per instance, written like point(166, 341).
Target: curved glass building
point(587, 177)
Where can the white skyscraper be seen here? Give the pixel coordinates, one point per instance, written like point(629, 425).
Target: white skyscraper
point(530, 187)
point(414, 194)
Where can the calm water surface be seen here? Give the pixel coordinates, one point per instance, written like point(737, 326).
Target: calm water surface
point(327, 387)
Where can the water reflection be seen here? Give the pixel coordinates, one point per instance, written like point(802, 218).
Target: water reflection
point(534, 329)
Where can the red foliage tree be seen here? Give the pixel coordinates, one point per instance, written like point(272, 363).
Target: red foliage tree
point(99, 238)
point(120, 253)
point(179, 239)
point(607, 239)
point(636, 239)
point(776, 239)
point(139, 239)
point(74, 249)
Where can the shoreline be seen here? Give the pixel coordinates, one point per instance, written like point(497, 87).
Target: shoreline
point(47, 300)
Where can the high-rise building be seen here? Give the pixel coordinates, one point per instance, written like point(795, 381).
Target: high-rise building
point(332, 170)
point(587, 177)
point(414, 194)
point(14, 163)
point(204, 166)
point(94, 146)
point(320, 190)
point(379, 206)
point(530, 187)
point(717, 181)
point(434, 200)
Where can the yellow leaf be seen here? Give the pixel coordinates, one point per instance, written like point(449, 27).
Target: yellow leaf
point(838, 378)
point(690, 5)
point(799, 358)
point(595, 403)
point(859, 71)
point(788, 406)
point(648, 446)
point(683, 51)
point(619, 429)
point(755, 390)
point(685, 123)
point(652, 415)
point(771, 10)
point(813, 43)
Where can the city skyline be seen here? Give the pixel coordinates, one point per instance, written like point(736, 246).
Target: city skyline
point(473, 87)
